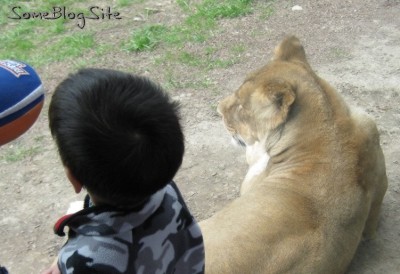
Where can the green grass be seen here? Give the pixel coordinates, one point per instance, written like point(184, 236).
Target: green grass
point(16, 154)
point(145, 39)
point(126, 3)
point(172, 82)
point(37, 52)
point(206, 62)
point(208, 58)
point(201, 19)
point(191, 59)
point(69, 46)
point(211, 9)
point(267, 11)
point(41, 42)
point(339, 53)
point(19, 152)
point(201, 62)
point(184, 5)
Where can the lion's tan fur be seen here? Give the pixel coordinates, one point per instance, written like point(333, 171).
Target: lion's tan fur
point(322, 188)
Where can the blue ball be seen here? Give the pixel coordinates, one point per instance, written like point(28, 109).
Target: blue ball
point(21, 99)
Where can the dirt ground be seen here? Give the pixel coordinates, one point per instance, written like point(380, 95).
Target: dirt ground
point(354, 44)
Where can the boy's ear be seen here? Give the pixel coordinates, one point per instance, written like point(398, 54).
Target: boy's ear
point(75, 183)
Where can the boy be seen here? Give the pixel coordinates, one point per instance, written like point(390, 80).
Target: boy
point(119, 137)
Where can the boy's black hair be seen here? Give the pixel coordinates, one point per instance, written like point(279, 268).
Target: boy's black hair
point(118, 133)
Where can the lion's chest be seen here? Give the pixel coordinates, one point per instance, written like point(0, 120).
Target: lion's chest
point(257, 159)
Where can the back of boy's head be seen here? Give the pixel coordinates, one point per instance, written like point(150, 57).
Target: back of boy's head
point(119, 134)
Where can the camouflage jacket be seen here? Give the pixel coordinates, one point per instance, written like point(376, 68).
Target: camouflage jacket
point(161, 237)
point(3, 270)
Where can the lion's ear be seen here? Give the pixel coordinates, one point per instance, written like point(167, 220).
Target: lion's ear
point(278, 97)
point(290, 49)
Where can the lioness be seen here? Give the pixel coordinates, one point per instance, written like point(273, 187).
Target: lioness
point(316, 175)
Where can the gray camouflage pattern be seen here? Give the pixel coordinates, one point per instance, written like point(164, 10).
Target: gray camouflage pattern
point(162, 237)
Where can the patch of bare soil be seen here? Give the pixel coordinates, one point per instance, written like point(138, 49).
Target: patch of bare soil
point(354, 44)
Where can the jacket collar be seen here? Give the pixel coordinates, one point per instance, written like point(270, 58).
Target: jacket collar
point(107, 220)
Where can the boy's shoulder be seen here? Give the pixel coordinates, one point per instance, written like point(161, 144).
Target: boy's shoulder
point(155, 238)
point(161, 210)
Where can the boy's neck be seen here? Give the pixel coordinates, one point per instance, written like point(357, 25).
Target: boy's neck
point(98, 202)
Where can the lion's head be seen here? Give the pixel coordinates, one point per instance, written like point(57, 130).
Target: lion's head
point(262, 103)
